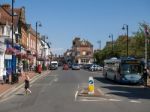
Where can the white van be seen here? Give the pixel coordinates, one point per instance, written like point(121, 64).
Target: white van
point(54, 65)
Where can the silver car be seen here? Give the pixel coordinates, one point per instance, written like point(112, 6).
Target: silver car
point(75, 67)
point(95, 67)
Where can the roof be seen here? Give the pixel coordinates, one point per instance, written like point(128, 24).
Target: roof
point(6, 15)
point(81, 43)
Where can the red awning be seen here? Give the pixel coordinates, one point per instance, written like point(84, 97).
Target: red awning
point(30, 57)
point(11, 51)
point(22, 55)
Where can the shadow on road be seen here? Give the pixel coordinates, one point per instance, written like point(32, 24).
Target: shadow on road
point(20, 94)
point(104, 80)
point(129, 91)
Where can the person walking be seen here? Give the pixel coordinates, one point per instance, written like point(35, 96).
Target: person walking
point(27, 84)
point(144, 77)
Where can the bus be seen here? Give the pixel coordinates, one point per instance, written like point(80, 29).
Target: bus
point(125, 70)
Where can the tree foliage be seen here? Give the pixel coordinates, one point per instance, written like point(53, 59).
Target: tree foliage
point(136, 46)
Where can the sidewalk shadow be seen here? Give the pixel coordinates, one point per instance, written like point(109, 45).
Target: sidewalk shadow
point(104, 80)
point(130, 92)
point(20, 94)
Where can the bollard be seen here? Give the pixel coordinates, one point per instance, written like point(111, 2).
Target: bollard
point(91, 86)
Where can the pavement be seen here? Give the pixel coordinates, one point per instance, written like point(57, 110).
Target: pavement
point(8, 89)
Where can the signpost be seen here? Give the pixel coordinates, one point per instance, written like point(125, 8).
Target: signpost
point(91, 86)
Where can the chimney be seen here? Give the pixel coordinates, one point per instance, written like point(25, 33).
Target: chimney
point(6, 6)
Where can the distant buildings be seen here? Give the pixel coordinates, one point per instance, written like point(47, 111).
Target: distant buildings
point(81, 52)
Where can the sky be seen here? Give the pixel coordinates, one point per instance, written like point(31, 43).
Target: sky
point(92, 20)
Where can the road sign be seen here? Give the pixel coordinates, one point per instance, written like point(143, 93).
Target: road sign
point(91, 86)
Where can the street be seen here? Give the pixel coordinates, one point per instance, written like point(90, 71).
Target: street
point(57, 92)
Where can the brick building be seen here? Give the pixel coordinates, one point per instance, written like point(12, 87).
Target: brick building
point(82, 51)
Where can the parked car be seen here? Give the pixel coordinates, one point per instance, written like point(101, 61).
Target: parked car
point(87, 66)
point(65, 67)
point(75, 67)
point(53, 67)
point(95, 67)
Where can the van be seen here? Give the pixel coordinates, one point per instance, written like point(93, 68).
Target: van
point(53, 65)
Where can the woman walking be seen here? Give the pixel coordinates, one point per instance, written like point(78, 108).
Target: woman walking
point(27, 84)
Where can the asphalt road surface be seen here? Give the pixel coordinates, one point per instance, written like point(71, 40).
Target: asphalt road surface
point(57, 92)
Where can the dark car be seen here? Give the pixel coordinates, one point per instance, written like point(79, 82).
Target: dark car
point(87, 66)
point(53, 67)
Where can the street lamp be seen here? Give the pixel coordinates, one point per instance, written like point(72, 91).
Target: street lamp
point(125, 26)
point(146, 40)
point(111, 36)
point(12, 63)
point(38, 24)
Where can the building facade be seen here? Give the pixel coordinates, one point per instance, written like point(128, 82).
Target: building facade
point(23, 47)
point(82, 51)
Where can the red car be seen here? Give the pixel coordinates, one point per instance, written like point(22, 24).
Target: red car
point(65, 67)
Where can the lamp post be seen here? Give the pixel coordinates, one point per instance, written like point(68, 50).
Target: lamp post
point(125, 26)
point(38, 24)
point(12, 63)
point(111, 36)
point(146, 41)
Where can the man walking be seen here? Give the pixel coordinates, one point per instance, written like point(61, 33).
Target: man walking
point(144, 77)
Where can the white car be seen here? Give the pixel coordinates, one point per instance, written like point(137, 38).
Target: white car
point(75, 67)
point(95, 67)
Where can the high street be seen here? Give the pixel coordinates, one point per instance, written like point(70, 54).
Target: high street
point(57, 92)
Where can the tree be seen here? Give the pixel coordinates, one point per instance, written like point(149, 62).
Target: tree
point(136, 47)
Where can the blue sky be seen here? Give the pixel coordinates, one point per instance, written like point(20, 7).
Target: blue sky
point(93, 20)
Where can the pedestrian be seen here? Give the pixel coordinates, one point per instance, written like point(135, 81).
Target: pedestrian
point(144, 77)
point(4, 75)
point(27, 84)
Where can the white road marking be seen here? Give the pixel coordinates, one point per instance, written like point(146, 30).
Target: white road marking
point(89, 99)
point(135, 101)
point(76, 94)
point(114, 100)
point(56, 79)
point(78, 86)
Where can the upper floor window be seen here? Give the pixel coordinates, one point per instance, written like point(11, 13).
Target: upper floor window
point(84, 53)
point(78, 53)
point(1, 30)
point(8, 30)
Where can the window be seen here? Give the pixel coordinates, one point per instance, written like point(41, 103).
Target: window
point(84, 60)
point(1, 30)
point(84, 53)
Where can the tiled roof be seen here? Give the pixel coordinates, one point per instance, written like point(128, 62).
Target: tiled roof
point(78, 43)
point(6, 12)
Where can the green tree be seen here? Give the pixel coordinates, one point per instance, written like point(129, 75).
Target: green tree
point(136, 46)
